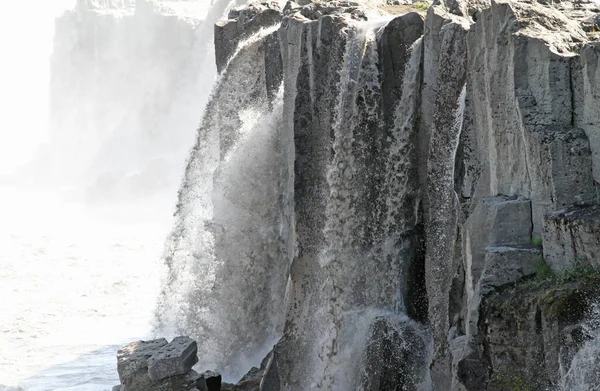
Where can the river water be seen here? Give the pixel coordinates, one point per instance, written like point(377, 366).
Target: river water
point(76, 282)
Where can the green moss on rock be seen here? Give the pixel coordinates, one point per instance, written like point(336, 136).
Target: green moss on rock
point(512, 380)
point(525, 326)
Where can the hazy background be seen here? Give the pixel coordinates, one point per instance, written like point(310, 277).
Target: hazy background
point(86, 199)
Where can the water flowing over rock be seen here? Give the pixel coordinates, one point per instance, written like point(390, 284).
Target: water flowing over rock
point(233, 282)
point(582, 372)
point(393, 202)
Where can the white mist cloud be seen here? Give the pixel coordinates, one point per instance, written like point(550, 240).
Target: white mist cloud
point(26, 33)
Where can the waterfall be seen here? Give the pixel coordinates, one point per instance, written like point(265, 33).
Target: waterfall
point(369, 224)
point(343, 225)
point(583, 373)
point(230, 250)
point(226, 255)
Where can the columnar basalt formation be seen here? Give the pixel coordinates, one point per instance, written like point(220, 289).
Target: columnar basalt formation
point(426, 169)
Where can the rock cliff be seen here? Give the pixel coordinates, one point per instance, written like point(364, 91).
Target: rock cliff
point(428, 207)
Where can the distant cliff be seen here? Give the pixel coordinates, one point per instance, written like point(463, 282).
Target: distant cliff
point(126, 86)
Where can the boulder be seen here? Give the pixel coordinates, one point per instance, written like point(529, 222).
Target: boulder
point(134, 359)
point(176, 358)
point(132, 363)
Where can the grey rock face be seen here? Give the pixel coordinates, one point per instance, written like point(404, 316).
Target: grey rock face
point(537, 151)
point(240, 24)
point(543, 156)
point(494, 221)
point(446, 145)
point(132, 363)
point(448, 64)
point(586, 76)
point(396, 46)
point(176, 358)
point(507, 264)
point(312, 55)
point(572, 237)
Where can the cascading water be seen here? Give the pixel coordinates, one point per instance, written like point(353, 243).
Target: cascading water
point(228, 270)
point(368, 240)
point(583, 374)
point(228, 253)
point(343, 224)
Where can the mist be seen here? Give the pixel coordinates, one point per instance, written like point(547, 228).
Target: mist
point(100, 106)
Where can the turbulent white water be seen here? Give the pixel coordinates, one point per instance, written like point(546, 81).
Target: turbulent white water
point(367, 242)
point(583, 373)
point(227, 273)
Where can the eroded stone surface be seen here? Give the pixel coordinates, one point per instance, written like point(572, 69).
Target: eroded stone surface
point(572, 237)
point(396, 355)
point(176, 358)
point(132, 363)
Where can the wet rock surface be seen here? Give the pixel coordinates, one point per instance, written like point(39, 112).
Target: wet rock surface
point(459, 153)
point(396, 355)
point(530, 332)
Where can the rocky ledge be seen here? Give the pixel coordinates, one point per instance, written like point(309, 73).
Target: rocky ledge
point(528, 332)
point(159, 365)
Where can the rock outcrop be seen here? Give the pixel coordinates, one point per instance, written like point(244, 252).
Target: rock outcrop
point(529, 333)
point(159, 365)
point(174, 359)
point(455, 151)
